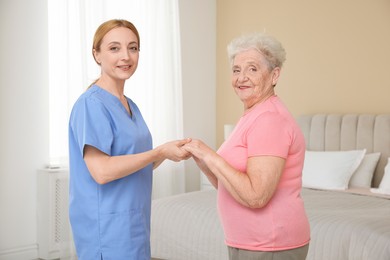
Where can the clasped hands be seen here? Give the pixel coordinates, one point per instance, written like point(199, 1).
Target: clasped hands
point(184, 149)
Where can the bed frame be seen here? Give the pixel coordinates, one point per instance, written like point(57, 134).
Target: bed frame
point(335, 132)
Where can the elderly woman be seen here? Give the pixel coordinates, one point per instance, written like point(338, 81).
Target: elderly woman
point(258, 170)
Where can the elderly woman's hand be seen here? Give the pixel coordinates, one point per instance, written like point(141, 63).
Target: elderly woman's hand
point(174, 150)
point(202, 153)
point(198, 149)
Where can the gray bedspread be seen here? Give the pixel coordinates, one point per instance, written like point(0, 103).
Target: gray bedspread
point(344, 226)
point(347, 226)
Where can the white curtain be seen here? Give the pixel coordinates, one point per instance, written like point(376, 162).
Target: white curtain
point(155, 87)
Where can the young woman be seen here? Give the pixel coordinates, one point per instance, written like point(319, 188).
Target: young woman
point(111, 155)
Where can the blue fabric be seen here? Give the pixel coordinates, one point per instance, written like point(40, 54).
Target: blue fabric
point(111, 221)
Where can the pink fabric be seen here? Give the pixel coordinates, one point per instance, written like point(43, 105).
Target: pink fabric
point(267, 129)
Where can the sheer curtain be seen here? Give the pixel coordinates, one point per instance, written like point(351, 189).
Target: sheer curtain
point(155, 86)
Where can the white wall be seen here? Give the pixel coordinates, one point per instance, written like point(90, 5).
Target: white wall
point(24, 122)
point(24, 103)
point(198, 34)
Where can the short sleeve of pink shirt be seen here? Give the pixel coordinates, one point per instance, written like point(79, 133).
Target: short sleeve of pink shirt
point(268, 129)
point(269, 134)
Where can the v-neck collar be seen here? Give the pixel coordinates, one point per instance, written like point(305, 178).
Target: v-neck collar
point(108, 96)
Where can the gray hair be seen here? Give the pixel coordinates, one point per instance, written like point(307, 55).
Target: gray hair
point(271, 48)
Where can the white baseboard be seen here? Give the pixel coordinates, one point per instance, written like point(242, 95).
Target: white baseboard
point(28, 252)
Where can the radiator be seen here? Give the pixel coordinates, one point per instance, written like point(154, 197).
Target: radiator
point(53, 229)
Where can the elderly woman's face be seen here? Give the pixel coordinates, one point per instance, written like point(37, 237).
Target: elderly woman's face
point(252, 80)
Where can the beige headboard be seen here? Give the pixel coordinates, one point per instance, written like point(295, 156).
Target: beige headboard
point(333, 132)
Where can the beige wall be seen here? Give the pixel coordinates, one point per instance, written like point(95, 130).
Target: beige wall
point(338, 54)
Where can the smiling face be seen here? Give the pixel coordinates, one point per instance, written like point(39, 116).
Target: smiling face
point(252, 79)
point(118, 54)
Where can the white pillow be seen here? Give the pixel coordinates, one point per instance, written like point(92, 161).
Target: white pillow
point(330, 169)
point(362, 177)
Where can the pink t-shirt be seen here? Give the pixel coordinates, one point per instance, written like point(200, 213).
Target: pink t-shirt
point(267, 129)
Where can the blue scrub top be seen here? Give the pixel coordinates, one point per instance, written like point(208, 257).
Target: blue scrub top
point(110, 221)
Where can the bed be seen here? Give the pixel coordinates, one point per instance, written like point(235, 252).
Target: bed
point(346, 223)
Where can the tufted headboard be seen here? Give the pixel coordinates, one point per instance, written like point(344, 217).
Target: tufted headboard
point(337, 132)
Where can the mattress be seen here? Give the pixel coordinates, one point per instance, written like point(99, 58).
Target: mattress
point(186, 227)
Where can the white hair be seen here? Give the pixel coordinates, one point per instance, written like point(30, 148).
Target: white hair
point(267, 45)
